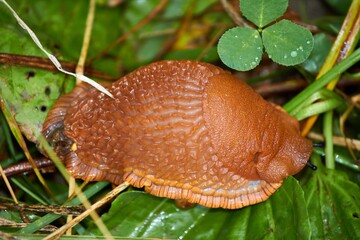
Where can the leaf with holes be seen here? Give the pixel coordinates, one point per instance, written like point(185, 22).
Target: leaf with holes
point(29, 92)
point(263, 12)
point(287, 43)
point(240, 48)
point(322, 45)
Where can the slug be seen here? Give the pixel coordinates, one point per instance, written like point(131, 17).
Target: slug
point(182, 130)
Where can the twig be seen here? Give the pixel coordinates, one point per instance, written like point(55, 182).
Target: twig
point(57, 234)
point(11, 224)
point(86, 41)
point(337, 140)
point(8, 185)
point(44, 63)
point(36, 208)
point(53, 59)
point(234, 15)
point(26, 167)
point(211, 43)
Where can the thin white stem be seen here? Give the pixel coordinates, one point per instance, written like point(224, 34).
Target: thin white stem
point(52, 57)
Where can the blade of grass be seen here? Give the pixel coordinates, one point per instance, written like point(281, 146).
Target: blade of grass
point(344, 44)
point(322, 94)
point(28, 191)
point(51, 153)
point(317, 108)
point(322, 81)
point(7, 136)
point(57, 234)
point(328, 134)
point(20, 139)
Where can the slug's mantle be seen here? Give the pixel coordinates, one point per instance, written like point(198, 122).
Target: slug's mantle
point(181, 129)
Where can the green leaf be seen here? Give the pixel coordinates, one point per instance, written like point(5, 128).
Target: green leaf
point(240, 48)
point(287, 43)
point(333, 203)
point(138, 214)
point(322, 45)
point(263, 12)
point(340, 6)
point(30, 92)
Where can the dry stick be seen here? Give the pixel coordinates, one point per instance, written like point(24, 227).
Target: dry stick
point(10, 224)
point(44, 63)
point(53, 59)
point(7, 236)
point(234, 15)
point(142, 23)
point(26, 167)
point(211, 43)
point(57, 234)
point(39, 208)
point(71, 191)
point(343, 119)
point(86, 41)
point(338, 140)
point(8, 185)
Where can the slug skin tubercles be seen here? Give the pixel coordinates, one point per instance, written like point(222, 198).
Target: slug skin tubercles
point(184, 130)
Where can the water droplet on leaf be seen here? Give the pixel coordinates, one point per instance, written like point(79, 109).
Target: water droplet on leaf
point(293, 54)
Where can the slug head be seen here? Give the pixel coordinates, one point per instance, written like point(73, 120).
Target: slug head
point(293, 151)
point(55, 136)
point(253, 137)
point(53, 128)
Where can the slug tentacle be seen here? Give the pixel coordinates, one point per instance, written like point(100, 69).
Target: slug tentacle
point(183, 130)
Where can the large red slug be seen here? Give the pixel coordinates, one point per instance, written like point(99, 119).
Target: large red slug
point(183, 130)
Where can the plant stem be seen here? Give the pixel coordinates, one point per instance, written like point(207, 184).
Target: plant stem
point(322, 81)
point(344, 44)
point(328, 134)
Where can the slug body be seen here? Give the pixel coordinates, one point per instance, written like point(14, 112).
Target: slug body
point(183, 130)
